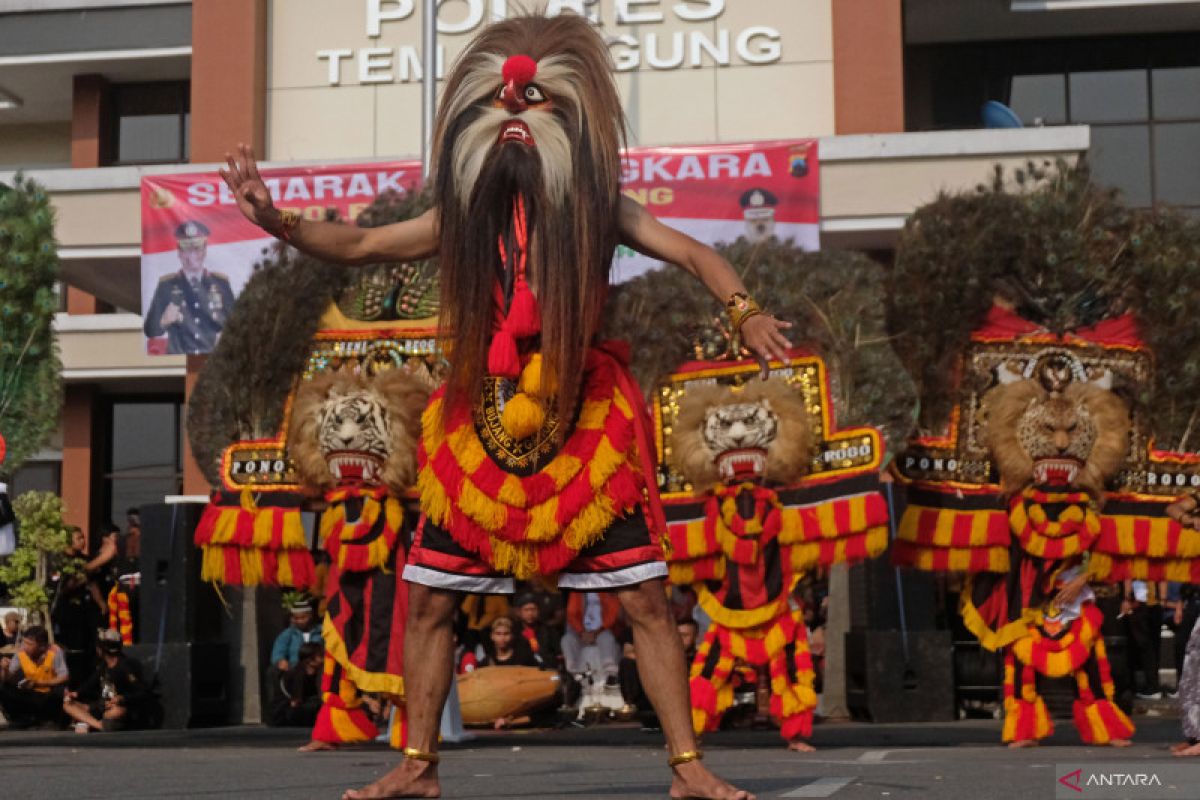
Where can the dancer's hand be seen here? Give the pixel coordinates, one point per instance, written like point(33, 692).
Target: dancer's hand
point(762, 335)
point(253, 198)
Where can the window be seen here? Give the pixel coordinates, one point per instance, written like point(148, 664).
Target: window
point(151, 122)
point(37, 476)
point(144, 461)
point(1140, 95)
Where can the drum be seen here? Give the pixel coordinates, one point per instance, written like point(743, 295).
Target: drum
point(489, 693)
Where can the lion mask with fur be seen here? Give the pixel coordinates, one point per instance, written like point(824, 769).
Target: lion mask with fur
point(1055, 431)
point(349, 428)
point(759, 432)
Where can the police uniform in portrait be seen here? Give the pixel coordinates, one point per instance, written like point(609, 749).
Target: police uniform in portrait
point(190, 306)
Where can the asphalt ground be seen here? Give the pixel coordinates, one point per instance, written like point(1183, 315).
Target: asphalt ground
point(853, 761)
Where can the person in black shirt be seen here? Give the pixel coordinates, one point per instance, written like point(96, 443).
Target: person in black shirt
point(540, 639)
point(299, 698)
point(505, 648)
point(115, 696)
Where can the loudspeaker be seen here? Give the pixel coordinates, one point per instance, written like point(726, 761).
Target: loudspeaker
point(192, 680)
point(882, 686)
point(978, 673)
point(175, 605)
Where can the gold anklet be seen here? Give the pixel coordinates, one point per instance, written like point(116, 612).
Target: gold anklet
point(421, 755)
point(683, 758)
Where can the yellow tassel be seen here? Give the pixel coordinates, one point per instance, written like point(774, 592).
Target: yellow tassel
point(212, 567)
point(523, 416)
point(293, 531)
point(434, 500)
point(490, 515)
point(531, 378)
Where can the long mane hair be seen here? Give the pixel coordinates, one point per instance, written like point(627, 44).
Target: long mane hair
point(572, 234)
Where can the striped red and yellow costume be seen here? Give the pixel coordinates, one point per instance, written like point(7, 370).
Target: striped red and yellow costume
point(365, 534)
point(744, 553)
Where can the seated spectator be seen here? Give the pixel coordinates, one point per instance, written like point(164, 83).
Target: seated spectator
point(543, 644)
point(10, 633)
point(299, 697)
point(116, 696)
point(592, 619)
point(689, 632)
point(636, 702)
point(478, 612)
point(33, 686)
point(285, 653)
point(505, 649)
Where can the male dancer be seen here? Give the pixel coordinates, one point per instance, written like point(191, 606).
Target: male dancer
point(535, 457)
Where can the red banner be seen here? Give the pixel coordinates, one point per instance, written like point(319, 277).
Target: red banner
point(198, 251)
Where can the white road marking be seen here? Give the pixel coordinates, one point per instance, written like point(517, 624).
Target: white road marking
point(873, 756)
point(821, 787)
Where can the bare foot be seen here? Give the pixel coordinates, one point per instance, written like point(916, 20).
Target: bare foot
point(316, 746)
point(1180, 746)
point(1187, 750)
point(800, 746)
point(694, 781)
point(413, 778)
point(1120, 743)
point(1023, 743)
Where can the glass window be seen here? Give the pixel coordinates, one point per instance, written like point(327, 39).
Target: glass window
point(1176, 93)
point(1120, 157)
point(151, 122)
point(1176, 178)
point(1039, 98)
point(1112, 96)
point(145, 454)
point(37, 476)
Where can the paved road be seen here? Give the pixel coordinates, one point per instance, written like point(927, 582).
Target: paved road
point(855, 761)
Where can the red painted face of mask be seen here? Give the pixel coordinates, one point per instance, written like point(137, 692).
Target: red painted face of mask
point(519, 94)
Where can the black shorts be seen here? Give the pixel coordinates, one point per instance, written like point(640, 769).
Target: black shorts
point(626, 556)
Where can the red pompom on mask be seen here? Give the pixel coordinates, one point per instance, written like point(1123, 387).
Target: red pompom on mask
point(519, 70)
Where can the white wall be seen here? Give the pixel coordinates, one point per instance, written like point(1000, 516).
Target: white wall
point(310, 119)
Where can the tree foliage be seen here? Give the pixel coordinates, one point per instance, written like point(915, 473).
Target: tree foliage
point(243, 388)
point(1043, 240)
point(835, 300)
point(30, 373)
point(44, 537)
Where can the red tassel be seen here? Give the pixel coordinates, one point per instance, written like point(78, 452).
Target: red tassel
point(524, 316)
point(503, 361)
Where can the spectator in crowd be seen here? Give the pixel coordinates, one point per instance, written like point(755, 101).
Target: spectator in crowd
point(1143, 614)
point(477, 613)
point(505, 648)
point(592, 619)
point(539, 638)
point(637, 704)
point(1183, 609)
point(300, 690)
point(115, 696)
point(285, 653)
point(689, 633)
point(33, 686)
point(10, 631)
point(79, 608)
point(131, 546)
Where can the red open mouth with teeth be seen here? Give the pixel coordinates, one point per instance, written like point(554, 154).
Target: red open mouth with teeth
point(1061, 471)
point(746, 464)
point(351, 466)
point(517, 131)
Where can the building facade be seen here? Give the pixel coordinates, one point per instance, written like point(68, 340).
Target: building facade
point(94, 94)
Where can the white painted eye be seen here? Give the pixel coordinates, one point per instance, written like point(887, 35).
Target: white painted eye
point(533, 94)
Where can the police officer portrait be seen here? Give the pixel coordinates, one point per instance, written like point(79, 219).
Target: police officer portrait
point(191, 304)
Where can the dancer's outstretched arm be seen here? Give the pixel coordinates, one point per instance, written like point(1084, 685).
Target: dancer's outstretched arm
point(762, 334)
point(345, 244)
